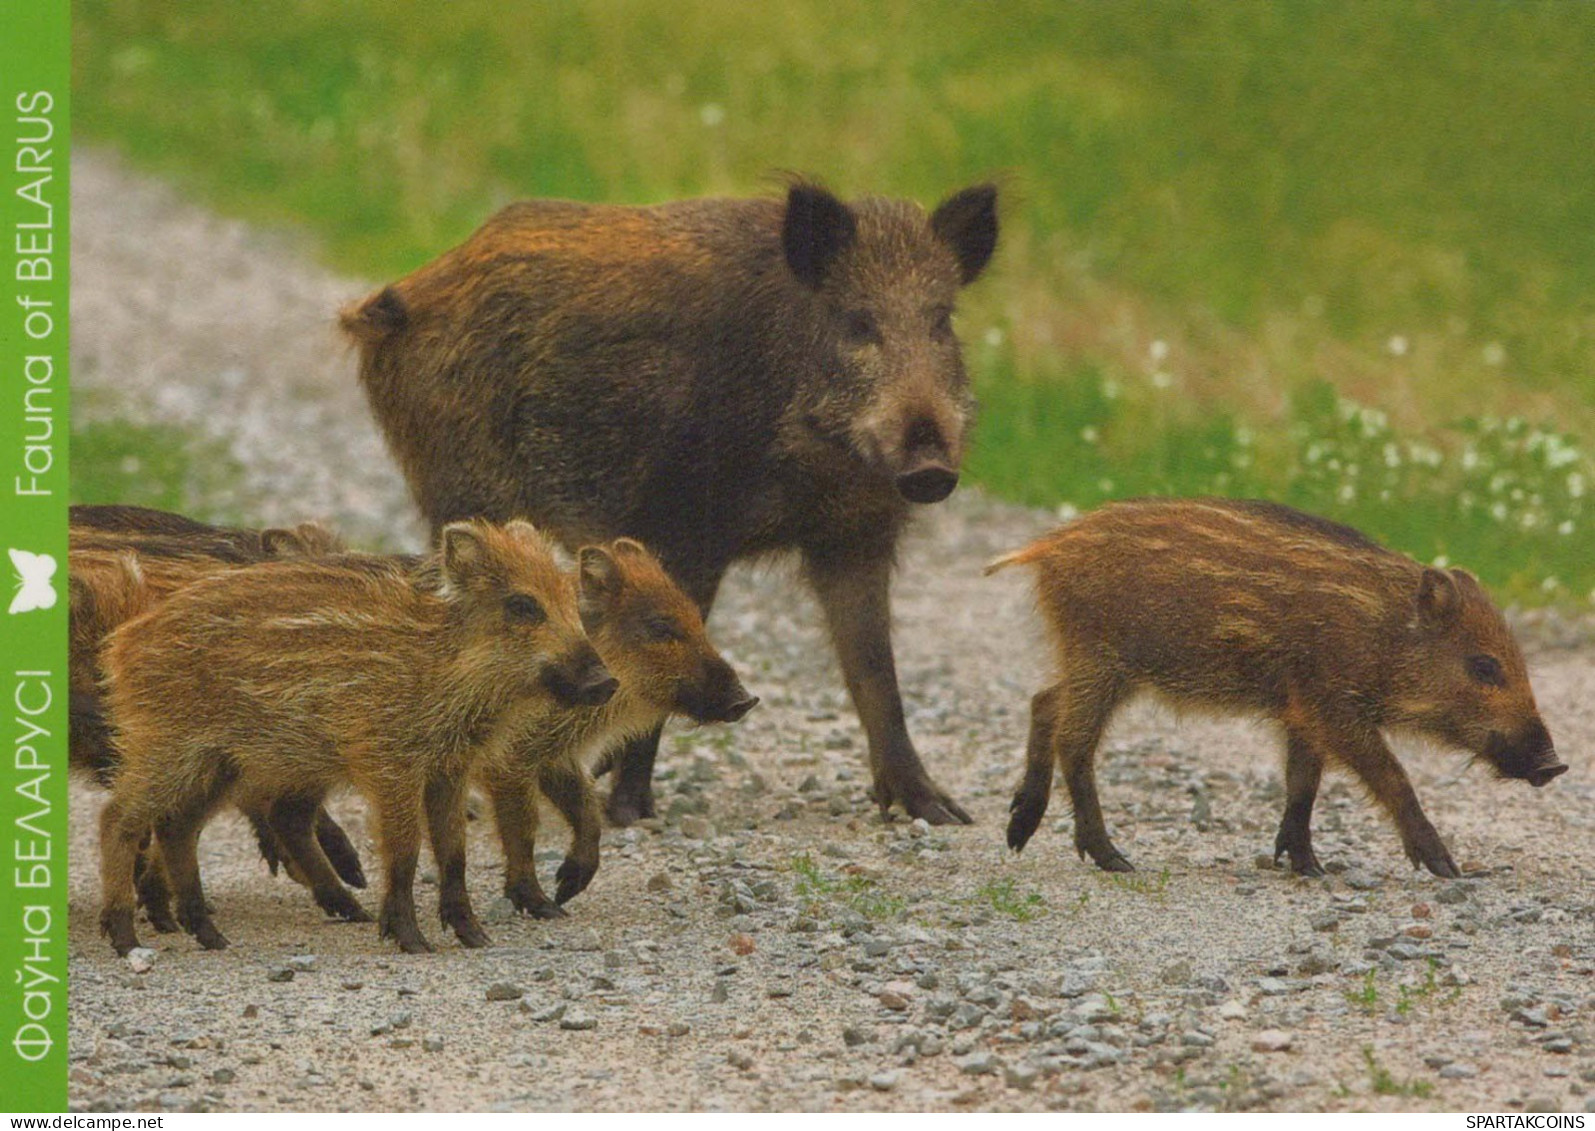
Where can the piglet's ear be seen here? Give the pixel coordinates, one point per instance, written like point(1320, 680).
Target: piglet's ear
point(967, 223)
point(598, 580)
point(1438, 599)
point(465, 555)
point(817, 229)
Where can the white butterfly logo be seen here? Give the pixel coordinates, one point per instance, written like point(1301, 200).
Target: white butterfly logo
point(34, 587)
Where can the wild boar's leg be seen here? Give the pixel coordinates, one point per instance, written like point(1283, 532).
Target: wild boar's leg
point(1029, 803)
point(1304, 766)
point(119, 846)
point(178, 835)
point(567, 785)
point(401, 850)
point(445, 817)
point(855, 592)
point(340, 852)
point(1360, 746)
point(631, 798)
point(154, 892)
point(1086, 701)
point(515, 813)
point(292, 822)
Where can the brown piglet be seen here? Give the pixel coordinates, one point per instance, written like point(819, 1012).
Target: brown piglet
point(125, 560)
point(1258, 608)
point(651, 637)
point(277, 683)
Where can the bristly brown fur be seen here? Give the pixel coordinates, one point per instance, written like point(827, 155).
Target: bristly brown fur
point(651, 637)
point(1251, 606)
point(124, 561)
point(275, 683)
point(741, 377)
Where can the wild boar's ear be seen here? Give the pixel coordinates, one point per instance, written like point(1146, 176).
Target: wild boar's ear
point(465, 555)
point(278, 542)
point(629, 547)
point(1438, 599)
point(967, 223)
point(523, 531)
point(818, 227)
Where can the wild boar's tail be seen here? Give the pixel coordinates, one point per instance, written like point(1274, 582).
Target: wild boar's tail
point(1017, 557)
point(373, 320)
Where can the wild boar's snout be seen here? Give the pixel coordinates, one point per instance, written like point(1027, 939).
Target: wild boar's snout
point(1529, 755)
point(719, 697)
point(582, 680)
point(930, 470)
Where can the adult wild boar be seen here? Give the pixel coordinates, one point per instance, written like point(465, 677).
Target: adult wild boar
point(720, 379)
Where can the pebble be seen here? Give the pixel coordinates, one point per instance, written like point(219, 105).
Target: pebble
point(141, 960)
point(432, 1044)
point(660, 881)
point(223, 1076)
point(504, 991)
point(1359, 879)
point(585, 939)
point(977, 1064)
point(1272, 1040)
point(578, 1022)
point(1232, 1011)
point(891, 999)
point(1022, 1075)
point(550, 1013)
point(280, 974)
point(696, 828)
point(302, 963)
point(742, 945)
point(737, 1058)
point(853, 1036)
point(1325, 921)
point(1460, 1070)
point(1453, 893)
point(884, 1081)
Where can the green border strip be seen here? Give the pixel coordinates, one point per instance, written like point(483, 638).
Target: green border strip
point(35, 75)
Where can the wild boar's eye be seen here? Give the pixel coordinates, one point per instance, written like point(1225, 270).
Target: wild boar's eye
point(1486, 670)
point(661, 631)
point(860, 327)
point(520, 607)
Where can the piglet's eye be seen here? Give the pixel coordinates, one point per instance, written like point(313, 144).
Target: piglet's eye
point(1486, 670)
point(526, 610)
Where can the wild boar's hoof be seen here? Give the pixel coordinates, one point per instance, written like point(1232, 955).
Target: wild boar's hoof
point(340, 853)
point(528, 899)
point(1025, 813)
point(1429, 851)
point(628, 806)
point(118, 927)
point(1303, 860)
point(469, 932)
point(404, 932)
point(573, 877)
point(206, 934)
point(342, 905)
point(920, 799)
point(161, 921)
point(1106, 857)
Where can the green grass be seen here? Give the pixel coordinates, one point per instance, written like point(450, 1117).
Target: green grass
point(1001, 897)
point(153, 466)
point(819, 889)
point(1382, 1083)
point(1213, 206)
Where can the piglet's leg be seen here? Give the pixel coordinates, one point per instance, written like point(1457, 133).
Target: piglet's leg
point(515, 813)
point(1361, 747)
point(1304, 767)
point(567, 785)
point(1029, 803)
point(445, 815)
point(400, 839)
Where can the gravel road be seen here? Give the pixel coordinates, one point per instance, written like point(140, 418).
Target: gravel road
point(771, 943)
